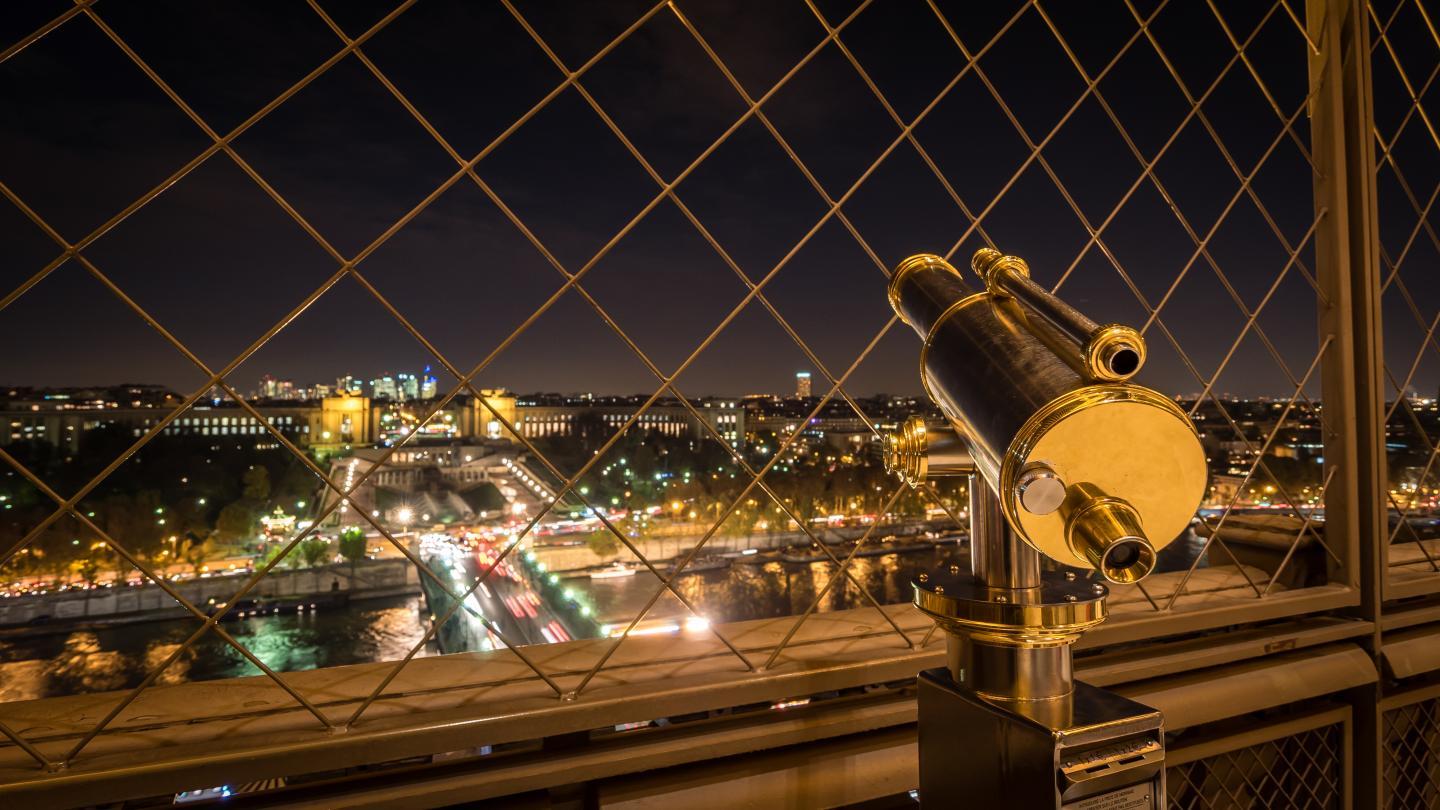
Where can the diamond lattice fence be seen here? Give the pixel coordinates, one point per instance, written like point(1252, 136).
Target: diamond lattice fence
point(774, 160)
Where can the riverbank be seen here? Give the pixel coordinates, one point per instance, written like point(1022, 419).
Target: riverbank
point(65, 611)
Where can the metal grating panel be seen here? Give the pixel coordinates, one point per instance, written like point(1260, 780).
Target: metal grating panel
point(1412, 756)
point(1303, 771)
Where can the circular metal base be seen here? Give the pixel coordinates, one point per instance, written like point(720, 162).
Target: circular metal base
point(1062, 607)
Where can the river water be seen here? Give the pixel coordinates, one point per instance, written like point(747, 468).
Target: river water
point(761, 590)
point(94, 660)
point(98, 660)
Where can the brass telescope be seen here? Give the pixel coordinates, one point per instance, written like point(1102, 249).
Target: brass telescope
point(1069, 460)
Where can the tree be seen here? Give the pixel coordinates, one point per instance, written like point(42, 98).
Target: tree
point(190, 517)
point(603, 543)
point(196, 550)
point(236, 523)
point(313, 551)
point(591, 431)
point(257, 484)
point(88, 568)
point(272, 551)
point(352, 547)
point(742, 520)
point(139, 521)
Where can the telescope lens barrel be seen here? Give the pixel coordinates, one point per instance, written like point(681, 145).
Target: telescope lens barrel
point(924, 286)
point(917, 453)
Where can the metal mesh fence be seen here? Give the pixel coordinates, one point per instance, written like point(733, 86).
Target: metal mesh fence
point(1301, 770)
point(1404, 49)
point(1172, 187)
point(1412, 755)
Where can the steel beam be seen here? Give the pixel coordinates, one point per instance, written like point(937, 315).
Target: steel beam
point(1348, 268)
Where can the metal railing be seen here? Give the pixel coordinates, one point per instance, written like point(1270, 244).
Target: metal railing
point(1253, 258)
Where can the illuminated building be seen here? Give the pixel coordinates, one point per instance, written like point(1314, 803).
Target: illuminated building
point(432, 483)
point(345, 420)
point(278, 524)
point(802, 384)
point(551, 415)
point(486, 421)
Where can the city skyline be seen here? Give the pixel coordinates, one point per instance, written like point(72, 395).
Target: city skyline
point(360, 387)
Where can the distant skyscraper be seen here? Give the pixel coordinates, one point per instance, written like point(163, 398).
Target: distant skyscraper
point(802, 384)
point(269, 387)
point(347, 385)
point(427, 385)
point(408, 386)
point(384, 388)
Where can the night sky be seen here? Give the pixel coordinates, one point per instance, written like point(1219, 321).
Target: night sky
point(216, 261)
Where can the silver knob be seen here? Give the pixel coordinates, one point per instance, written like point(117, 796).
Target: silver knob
point(1039, 490)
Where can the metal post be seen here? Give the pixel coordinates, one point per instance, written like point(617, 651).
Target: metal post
point(1348, 269)
point(1041, 677)
point(997, 557)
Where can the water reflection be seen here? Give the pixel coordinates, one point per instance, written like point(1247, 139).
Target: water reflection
point(766, 589)
point(102, 659)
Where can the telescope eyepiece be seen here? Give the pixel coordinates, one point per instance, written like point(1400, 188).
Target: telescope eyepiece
point(1128, 561)
point(1106, 532)
point(1124, 361)
point(1114, 353)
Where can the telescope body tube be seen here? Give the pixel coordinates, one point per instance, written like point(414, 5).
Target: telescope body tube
point(1094, 475)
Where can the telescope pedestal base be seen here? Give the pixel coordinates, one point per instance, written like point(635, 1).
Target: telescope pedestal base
point(1091, 750)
